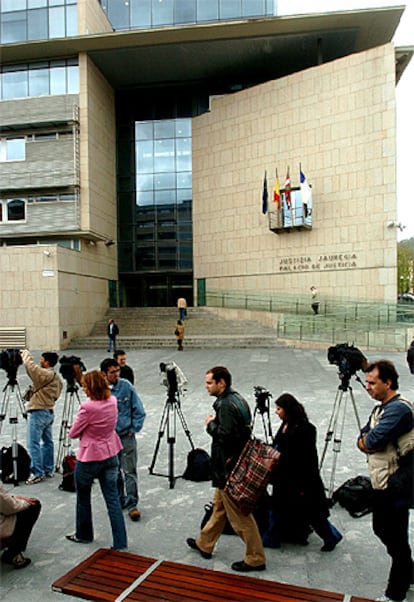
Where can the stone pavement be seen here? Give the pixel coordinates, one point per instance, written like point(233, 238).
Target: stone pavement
point(359, 565)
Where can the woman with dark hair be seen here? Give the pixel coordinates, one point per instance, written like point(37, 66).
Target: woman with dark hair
point(97, 459)
point(298, 503)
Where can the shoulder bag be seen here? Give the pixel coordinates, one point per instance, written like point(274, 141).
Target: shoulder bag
point(248, 479)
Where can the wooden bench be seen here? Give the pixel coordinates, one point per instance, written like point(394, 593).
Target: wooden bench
point(109, 576)
point(13, 337)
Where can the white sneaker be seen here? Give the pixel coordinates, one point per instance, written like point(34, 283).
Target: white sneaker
point(33, 479)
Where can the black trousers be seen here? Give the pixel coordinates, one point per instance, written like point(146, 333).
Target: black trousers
point(390, 524)
point(25, 521)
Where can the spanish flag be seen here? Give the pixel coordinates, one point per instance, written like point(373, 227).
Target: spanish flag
point(276, 193)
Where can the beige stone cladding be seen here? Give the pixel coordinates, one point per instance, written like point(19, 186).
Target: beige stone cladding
point(91, 18)
point(338, 121)
point(54, 292)
point(97, 151)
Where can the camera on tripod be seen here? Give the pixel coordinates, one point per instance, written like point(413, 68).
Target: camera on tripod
point(71, 369)
point(173, 378)
point(10, 360)
point(348, 358)
point(262, 396)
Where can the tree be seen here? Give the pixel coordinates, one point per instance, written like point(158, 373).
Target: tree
point(405, 266)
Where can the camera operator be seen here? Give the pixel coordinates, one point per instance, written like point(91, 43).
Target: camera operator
point(381, 439)
point(229, 429)
point(47, 387)
point(131, 416)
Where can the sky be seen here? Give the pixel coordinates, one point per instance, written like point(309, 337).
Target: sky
point(404, 36)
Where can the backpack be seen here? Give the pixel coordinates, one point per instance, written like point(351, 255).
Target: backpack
point(6, 464)
point(198, 466)
point(355, 495)
point(68, 468)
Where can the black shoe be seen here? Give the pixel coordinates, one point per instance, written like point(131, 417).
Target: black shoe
point(75, 539)
point(328, 547)
point(247, 568)
point(193, 545)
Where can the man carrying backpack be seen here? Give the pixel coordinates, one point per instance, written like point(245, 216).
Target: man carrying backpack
point(388, 428)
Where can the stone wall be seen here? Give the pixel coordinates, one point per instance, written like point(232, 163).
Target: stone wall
point(338, 121)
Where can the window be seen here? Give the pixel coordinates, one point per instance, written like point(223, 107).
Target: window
point(39, 79)
point(12, 149)
point(14, 210)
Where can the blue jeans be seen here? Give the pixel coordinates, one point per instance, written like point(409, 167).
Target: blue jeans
point(112, 344)
point(128, 478)
point(106, 471)
point(40, 441)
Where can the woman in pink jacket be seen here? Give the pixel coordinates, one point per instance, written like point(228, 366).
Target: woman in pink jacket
point(97, 459)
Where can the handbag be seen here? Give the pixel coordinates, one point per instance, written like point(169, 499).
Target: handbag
point(251, 474)
point(28, 393)
point(30, 390)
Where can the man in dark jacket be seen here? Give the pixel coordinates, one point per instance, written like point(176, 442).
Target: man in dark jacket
point(410, 357)
point(229, 429)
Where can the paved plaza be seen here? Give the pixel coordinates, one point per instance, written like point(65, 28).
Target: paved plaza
point(359, 565)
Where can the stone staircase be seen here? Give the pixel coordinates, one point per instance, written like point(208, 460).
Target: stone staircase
point(153, 327)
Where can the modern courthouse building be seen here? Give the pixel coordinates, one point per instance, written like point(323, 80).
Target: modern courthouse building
point(138, 139)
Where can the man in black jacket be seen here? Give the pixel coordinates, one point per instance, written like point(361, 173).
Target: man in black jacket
point(229, 429)
point(410, 357)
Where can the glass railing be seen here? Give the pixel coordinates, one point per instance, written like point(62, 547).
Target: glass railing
point(363, 323)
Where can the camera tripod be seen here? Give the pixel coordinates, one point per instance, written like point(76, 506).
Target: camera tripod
point(172, 409)
point(266, 423)
point(12, 399)
point(67, 419)
point(337, 424)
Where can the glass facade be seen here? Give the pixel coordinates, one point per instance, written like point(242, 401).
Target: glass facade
point(162, 230)
point(145, 14)
point(26, 20)
point(39, 79)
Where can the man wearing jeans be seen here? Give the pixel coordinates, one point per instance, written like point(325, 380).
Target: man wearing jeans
point(47, 387)
point(131, 416)
point(229, 429)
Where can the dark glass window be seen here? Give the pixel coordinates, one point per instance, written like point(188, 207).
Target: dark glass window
point(38, 79)
point(207, 11)
point(72, 20)
point(162, 12)
point(39, 82)
point(185, 11)
point(230, 9)
point(118, 14)
point(253, 8)
point(163, 184)
point(57, 27)
point(13, 27)
point(141, 14)
point(16, 210)
point(138, 14)
point(37, 24)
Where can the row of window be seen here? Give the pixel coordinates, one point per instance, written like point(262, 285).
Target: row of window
point(47, 78)
point(12, 210)
point(14, 149)
point(139, 14)
point(68, 243)
point(37, 22)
